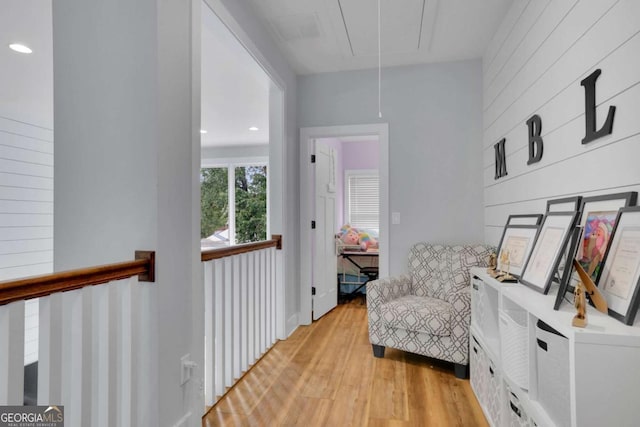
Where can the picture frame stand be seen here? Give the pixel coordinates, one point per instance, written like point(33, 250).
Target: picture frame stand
point(568, 263)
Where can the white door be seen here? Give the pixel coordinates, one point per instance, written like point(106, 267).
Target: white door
point(325, 268)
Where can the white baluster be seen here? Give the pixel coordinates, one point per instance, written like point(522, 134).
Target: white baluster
point(125, 358)
point(209, 335)
point(274, 309)
point(50, 350)
point(235, 286)
point(220, 343)
point(228, 322)
point(145, 367)
point(251, 308)
point(12, 353)
point(267, 299)
point(258, 306)
point(100, 351)
point(263, 302)
point(76, 358)
point(280, 296)
point(244, 315)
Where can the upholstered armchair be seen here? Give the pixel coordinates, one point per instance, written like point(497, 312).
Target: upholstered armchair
point(428, 310)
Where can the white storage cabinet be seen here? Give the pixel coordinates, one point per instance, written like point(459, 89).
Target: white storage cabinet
point(555, 375)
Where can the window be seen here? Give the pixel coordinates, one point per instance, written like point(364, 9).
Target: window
point(251, 204)
point(233, 205)
point(214, 203)
point(362, 198)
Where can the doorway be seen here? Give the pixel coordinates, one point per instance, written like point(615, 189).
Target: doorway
point(313, 307)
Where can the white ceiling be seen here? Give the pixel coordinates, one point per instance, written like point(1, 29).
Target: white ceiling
point(334, 35)
point(315, 35)
point(26, 81)
point(235, 90)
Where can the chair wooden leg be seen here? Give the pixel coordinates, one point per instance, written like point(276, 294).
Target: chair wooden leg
point(461, 371)
point(378, 350)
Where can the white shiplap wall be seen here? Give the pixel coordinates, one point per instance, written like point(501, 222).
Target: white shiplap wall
point(26, 211)
point(534, 65)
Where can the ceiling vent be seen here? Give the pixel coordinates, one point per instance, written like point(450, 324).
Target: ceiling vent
point(297, 27)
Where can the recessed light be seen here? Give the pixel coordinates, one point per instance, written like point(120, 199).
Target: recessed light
point(19, 48)
point(202, 131)
point(253, 128)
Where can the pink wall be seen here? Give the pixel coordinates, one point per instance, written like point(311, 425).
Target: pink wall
point(351, 156)
point(355, 156)
point(360, 155)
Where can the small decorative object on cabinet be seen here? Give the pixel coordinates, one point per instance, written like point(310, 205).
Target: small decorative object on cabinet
point(567, 374)
point(590, 289)
point(505, 262)
point(580, 302)
point(493, 264)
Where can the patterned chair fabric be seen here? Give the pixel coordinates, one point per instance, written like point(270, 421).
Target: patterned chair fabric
point(428, 310)
point(421, 314)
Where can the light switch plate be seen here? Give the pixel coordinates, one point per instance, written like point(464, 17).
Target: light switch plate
point(395, 218)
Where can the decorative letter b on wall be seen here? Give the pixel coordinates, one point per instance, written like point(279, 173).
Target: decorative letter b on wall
point(591, 134)
point(501, 159)
point(535, 140)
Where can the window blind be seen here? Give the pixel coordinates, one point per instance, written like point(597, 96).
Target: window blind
point(363, 201)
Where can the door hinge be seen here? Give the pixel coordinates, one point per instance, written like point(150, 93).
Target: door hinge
point(313, 290)
point(313, 225)
point(313, 158)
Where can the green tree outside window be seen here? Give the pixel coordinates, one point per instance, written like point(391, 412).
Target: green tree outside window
point(214, 200)
point(251, 203)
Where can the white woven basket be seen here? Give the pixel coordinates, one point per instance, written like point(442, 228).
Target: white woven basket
point(514, 340)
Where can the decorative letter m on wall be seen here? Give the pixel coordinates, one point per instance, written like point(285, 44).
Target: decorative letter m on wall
point(501, 159)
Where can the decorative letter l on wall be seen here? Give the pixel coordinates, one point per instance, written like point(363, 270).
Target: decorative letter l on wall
point(591, 134)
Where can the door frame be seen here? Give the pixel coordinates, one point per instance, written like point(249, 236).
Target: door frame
point(307, 194)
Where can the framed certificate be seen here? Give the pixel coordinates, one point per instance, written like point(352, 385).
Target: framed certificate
point(517, 241)
point(524, 219)
point(549, 246)
point(620, 275)
point(568, 204)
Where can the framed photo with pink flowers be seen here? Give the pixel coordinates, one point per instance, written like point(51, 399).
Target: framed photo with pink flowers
point(598, 220)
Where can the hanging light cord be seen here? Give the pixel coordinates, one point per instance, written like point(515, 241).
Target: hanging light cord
point(379, 68)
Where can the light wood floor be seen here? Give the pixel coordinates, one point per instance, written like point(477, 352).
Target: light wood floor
point(325, 375)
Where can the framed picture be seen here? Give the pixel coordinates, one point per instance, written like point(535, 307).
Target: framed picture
point(524, 219)
point(548, 249)
point(619, 278)
point(567, 204)
point(599, 214)
point(517, 241)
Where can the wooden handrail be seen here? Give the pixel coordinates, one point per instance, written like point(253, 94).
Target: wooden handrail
point(274, 242)
point(47, 284)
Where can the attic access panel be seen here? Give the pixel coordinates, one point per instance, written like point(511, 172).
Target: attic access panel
point(400, 26)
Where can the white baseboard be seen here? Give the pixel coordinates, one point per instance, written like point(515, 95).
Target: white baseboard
point(292, 324)
point(184, 421)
